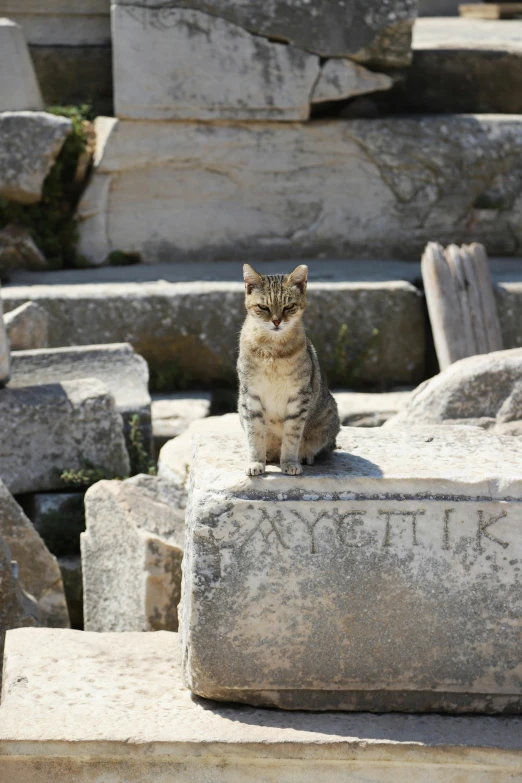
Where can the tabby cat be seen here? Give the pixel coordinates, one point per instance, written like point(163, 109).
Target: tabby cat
point(285, 408)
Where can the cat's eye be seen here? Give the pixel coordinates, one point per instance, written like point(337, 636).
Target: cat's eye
point(288, 308)
point(265, 309)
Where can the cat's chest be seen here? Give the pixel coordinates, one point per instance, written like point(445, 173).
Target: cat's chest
point(274, 389)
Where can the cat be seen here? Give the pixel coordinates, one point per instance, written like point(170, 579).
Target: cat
point(285, 407)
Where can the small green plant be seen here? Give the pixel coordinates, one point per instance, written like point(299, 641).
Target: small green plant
point(138, 455)
point(84, 477)
point(168, 378)
point(51, 221)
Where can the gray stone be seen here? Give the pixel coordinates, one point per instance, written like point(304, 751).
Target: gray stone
point(172, 414)
point(357, 409)
point(461, 66)
point(29, 145)
point(58, 517)
point(75, 75)
point(202, 67)
point(17, 609)
point(385, 578)
point(19, 89)
point(5, 361)
point(438, 8)
point(27, 327)
point(484, 390)
point(365, 30)
point(59, 427)
point(102, 707)
point(71, 570)
point(374, 332)
point(118, 366)
point(342, 78)
point(18, 250)
point(131, 556)
point(60, 22)
point(38, 571)
point(346, 189)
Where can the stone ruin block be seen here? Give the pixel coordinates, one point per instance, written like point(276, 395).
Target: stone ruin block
point(371, 32)
point(19, 90)
point(27, 327)
point(131, 555)
point(52, 428)
point(386, 578)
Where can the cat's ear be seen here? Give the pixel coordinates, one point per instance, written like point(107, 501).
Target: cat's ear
point(251, 278)
point(299, 278)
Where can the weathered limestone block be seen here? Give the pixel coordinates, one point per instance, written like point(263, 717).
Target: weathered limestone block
point(131, 556)
point(357, 409)
point(374, 333)
point(96, 707)
point(199, 66)
point(27, 327)
point(172, 414)
point(365, 30)
point(18, 250)
point(386, 578)
point(60, 22)
point(29, 145)
point(58, 517)
point(38, 571)
point(341, 188)
point(4, 351)
point(17, 609)
point(19, 89)
point(344, 79)
point(59, 427)
point(117, 365)
point(484, 390)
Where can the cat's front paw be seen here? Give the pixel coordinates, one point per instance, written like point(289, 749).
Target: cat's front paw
point(291, 468)
point(255, 469)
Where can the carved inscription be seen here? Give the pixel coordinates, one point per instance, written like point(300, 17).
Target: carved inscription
point(318, 530)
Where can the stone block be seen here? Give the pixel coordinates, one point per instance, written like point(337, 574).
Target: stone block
point(103, 707)
point(131, 555)
point(17, 608)
point(59, 427)
point(374, 333)
point(172, 414)
point(338, 188)
point(19, 89)
point(386, 578)
point(117, 365)
point(38, 572)
point(369, 32)
point(198, 66)
point(483, 390)
point(60, 22)
point(18, 250)
point(357, 409)
point(5, 362)
point(341, 79)
point(29, 145)
point(58, 517)
point(27, 327)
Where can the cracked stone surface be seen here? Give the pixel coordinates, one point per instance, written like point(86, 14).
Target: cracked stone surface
point(386, 578)
point(38, 571)
point(362, 188)
point(131, 555)
point(29, 145)
point(370, 31)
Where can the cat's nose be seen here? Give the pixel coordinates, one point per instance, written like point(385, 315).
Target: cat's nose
point(276, 321)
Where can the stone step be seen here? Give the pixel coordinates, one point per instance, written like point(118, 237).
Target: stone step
point(386, 577)
point(460, 65)
point(98, 707)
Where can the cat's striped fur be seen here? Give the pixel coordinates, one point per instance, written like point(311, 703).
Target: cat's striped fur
point(285, 408)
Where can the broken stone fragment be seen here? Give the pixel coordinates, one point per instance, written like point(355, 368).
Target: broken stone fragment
point(18, 250)
point(19, 90)
point(344, 79)
point(369, 31)
point(131, 555)
point(29, 145)
point(38, 571)
point(27, 327)
point(201, 67)
point(52, 428)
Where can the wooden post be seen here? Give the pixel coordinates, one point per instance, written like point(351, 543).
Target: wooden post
point(461, 302)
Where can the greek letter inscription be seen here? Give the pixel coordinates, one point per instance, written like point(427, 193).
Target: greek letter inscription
point(412, 514)
point(483, 532)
